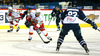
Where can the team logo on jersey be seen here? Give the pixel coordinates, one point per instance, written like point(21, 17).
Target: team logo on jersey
point(93, 17)
point(71, 19)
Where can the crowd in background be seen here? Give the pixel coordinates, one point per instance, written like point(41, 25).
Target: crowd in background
point(50, 5)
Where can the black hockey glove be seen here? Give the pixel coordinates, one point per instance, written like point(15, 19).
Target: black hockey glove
point(52, 15)
point(94, 25)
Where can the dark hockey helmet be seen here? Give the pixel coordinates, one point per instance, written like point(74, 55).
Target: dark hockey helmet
point(57, 8)
point(29, 10)
point(72, 4)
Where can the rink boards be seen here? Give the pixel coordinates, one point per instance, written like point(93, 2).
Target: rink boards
point(94, 15)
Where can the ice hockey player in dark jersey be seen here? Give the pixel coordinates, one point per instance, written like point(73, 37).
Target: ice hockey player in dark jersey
point(57, 12)
point(70, 19)
point(26, 12)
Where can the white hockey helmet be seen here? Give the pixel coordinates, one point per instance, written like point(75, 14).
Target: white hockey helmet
point(38, 11)
point(10, 8)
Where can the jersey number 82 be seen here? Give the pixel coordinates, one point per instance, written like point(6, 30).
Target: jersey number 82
point(73, 14)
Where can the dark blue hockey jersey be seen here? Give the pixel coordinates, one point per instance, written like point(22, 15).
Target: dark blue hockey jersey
point(56, 13)
point(72, 15)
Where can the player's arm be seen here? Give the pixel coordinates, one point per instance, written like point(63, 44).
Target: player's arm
point(25, 13)
point(53, 13)
point(39, 20)
point(9, 18)
point(39, 24)
point(86, 19)
point(61, 12)
point(41, 28)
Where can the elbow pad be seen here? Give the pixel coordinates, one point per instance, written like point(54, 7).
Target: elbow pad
point(87, 20)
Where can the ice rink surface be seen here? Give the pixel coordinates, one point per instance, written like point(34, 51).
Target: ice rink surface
point(16, 44)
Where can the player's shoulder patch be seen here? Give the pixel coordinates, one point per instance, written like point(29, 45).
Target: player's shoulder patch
point(60, 11)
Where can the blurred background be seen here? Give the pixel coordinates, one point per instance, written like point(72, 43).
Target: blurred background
point(49, 4)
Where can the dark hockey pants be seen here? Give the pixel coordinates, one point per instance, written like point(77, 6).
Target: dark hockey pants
point(57, 22)
point(76, 30)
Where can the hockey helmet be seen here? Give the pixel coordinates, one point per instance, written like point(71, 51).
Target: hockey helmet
point(38, 11)
point(10, 8)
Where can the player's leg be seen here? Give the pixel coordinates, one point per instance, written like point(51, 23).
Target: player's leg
point(63, 32)
point(16, 24)
point(77, 34)
point(57, 23)
point(42, 29)
point(11, 27)
point(46, 35)
point(30, 33)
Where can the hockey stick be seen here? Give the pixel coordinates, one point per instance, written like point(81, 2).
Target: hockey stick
point(46, 42)
point(49, 22)
point(98, 30)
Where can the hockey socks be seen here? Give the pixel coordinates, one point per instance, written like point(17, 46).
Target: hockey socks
point(60, 41)
point(11, 29)
point(30, 36)
point(58, 28)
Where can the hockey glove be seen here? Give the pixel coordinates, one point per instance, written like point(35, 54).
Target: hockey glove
point(52, 15)
point(94, 25)
point(35, 27)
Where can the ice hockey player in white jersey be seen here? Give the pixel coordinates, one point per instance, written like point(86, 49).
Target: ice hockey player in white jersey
point(70, 19)
point(14, 18)
point(32, 22)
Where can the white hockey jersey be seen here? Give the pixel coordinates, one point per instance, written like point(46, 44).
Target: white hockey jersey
point(35, 19)
point(13, 15)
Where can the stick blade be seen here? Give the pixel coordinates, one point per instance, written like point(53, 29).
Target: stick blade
point(46, 42)
point(98, 29)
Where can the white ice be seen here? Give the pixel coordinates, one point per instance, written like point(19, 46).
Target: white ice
point(16, 44)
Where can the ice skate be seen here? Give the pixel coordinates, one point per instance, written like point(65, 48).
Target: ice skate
point(17, 29)
point(10, 30)
point(86, 49)
point(58, 47)
point(30, 39)
point(58, 29)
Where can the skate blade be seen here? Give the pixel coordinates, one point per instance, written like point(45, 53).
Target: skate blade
point(9, 31)
point(17, 30)
point(87, 52)
point(29, 39)
point(57, 49)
